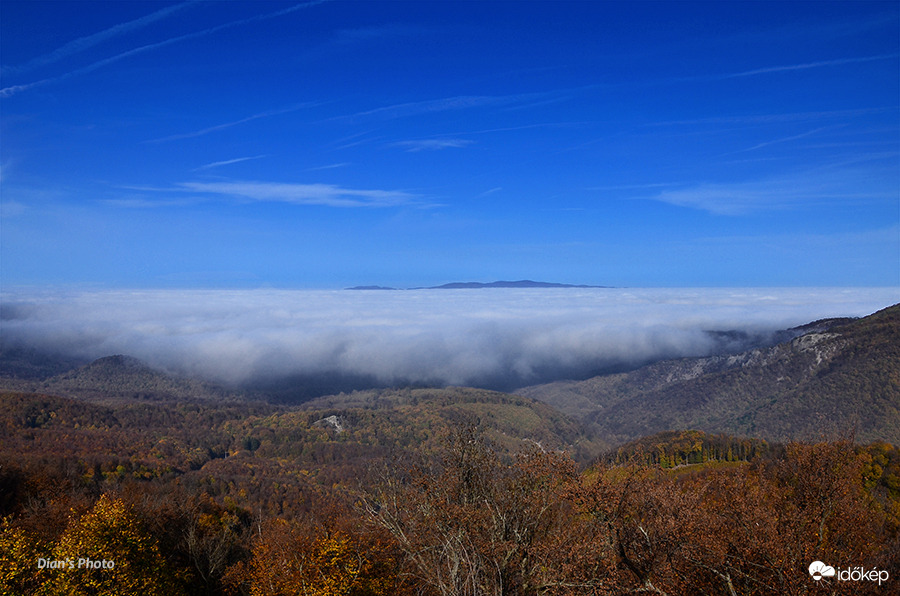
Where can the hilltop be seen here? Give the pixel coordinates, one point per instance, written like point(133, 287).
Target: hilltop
point(122, 377)
point(525, 283)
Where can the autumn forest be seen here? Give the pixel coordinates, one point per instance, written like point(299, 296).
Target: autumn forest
point(117, 479)
point(424, 496)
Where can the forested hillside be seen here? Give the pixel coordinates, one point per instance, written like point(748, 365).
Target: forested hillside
point(840, 379)
point(112, 378)
point(418, 493)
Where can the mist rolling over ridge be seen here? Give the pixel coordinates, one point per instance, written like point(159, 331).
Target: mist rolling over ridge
point(502, 338)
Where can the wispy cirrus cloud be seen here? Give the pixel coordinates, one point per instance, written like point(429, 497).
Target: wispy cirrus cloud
point(431, 144)
point(227, 162)
point(16, 89)
point(223, 126)
point(775, 118)
point(781, 68)
point(88, 41)
point(458, 102)
point(330, 166)
point(379, 32)
point(489, 191)
point(787, 139)
point(330, 195)
point(352, 39)
point(838, 186)
point(142, 203)
point(808, 65)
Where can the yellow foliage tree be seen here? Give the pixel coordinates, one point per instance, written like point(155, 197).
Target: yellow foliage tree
point(19, 555)
point(109, 552)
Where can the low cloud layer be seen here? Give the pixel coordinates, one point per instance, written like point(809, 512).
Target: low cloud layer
point(499, 337)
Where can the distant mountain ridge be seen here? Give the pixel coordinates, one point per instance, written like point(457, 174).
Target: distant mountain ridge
point(477, 285)
point(125, 377)
point(524, 283)
point(837, 376)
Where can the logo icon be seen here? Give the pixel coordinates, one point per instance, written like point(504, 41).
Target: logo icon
point(818, 570)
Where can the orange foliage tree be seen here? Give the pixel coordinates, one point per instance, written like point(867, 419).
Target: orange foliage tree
point(297, 559)
point(476, 525)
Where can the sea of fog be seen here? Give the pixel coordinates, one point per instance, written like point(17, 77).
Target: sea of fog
point(487, 337)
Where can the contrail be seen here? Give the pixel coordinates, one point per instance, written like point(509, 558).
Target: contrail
point(217, 127)
point(89, 41)
point(786, 139)
point(15, 89)
point(777, 69)
point(227, 162)
point(839, 62)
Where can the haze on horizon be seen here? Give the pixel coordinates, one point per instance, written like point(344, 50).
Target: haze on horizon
point(333, 144)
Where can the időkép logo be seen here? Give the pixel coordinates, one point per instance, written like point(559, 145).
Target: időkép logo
point(819, 570)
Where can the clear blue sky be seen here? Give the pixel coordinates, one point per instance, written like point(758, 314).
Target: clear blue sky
point(329, 144)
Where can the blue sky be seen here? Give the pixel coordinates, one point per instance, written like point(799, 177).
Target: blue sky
point(331, 144)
